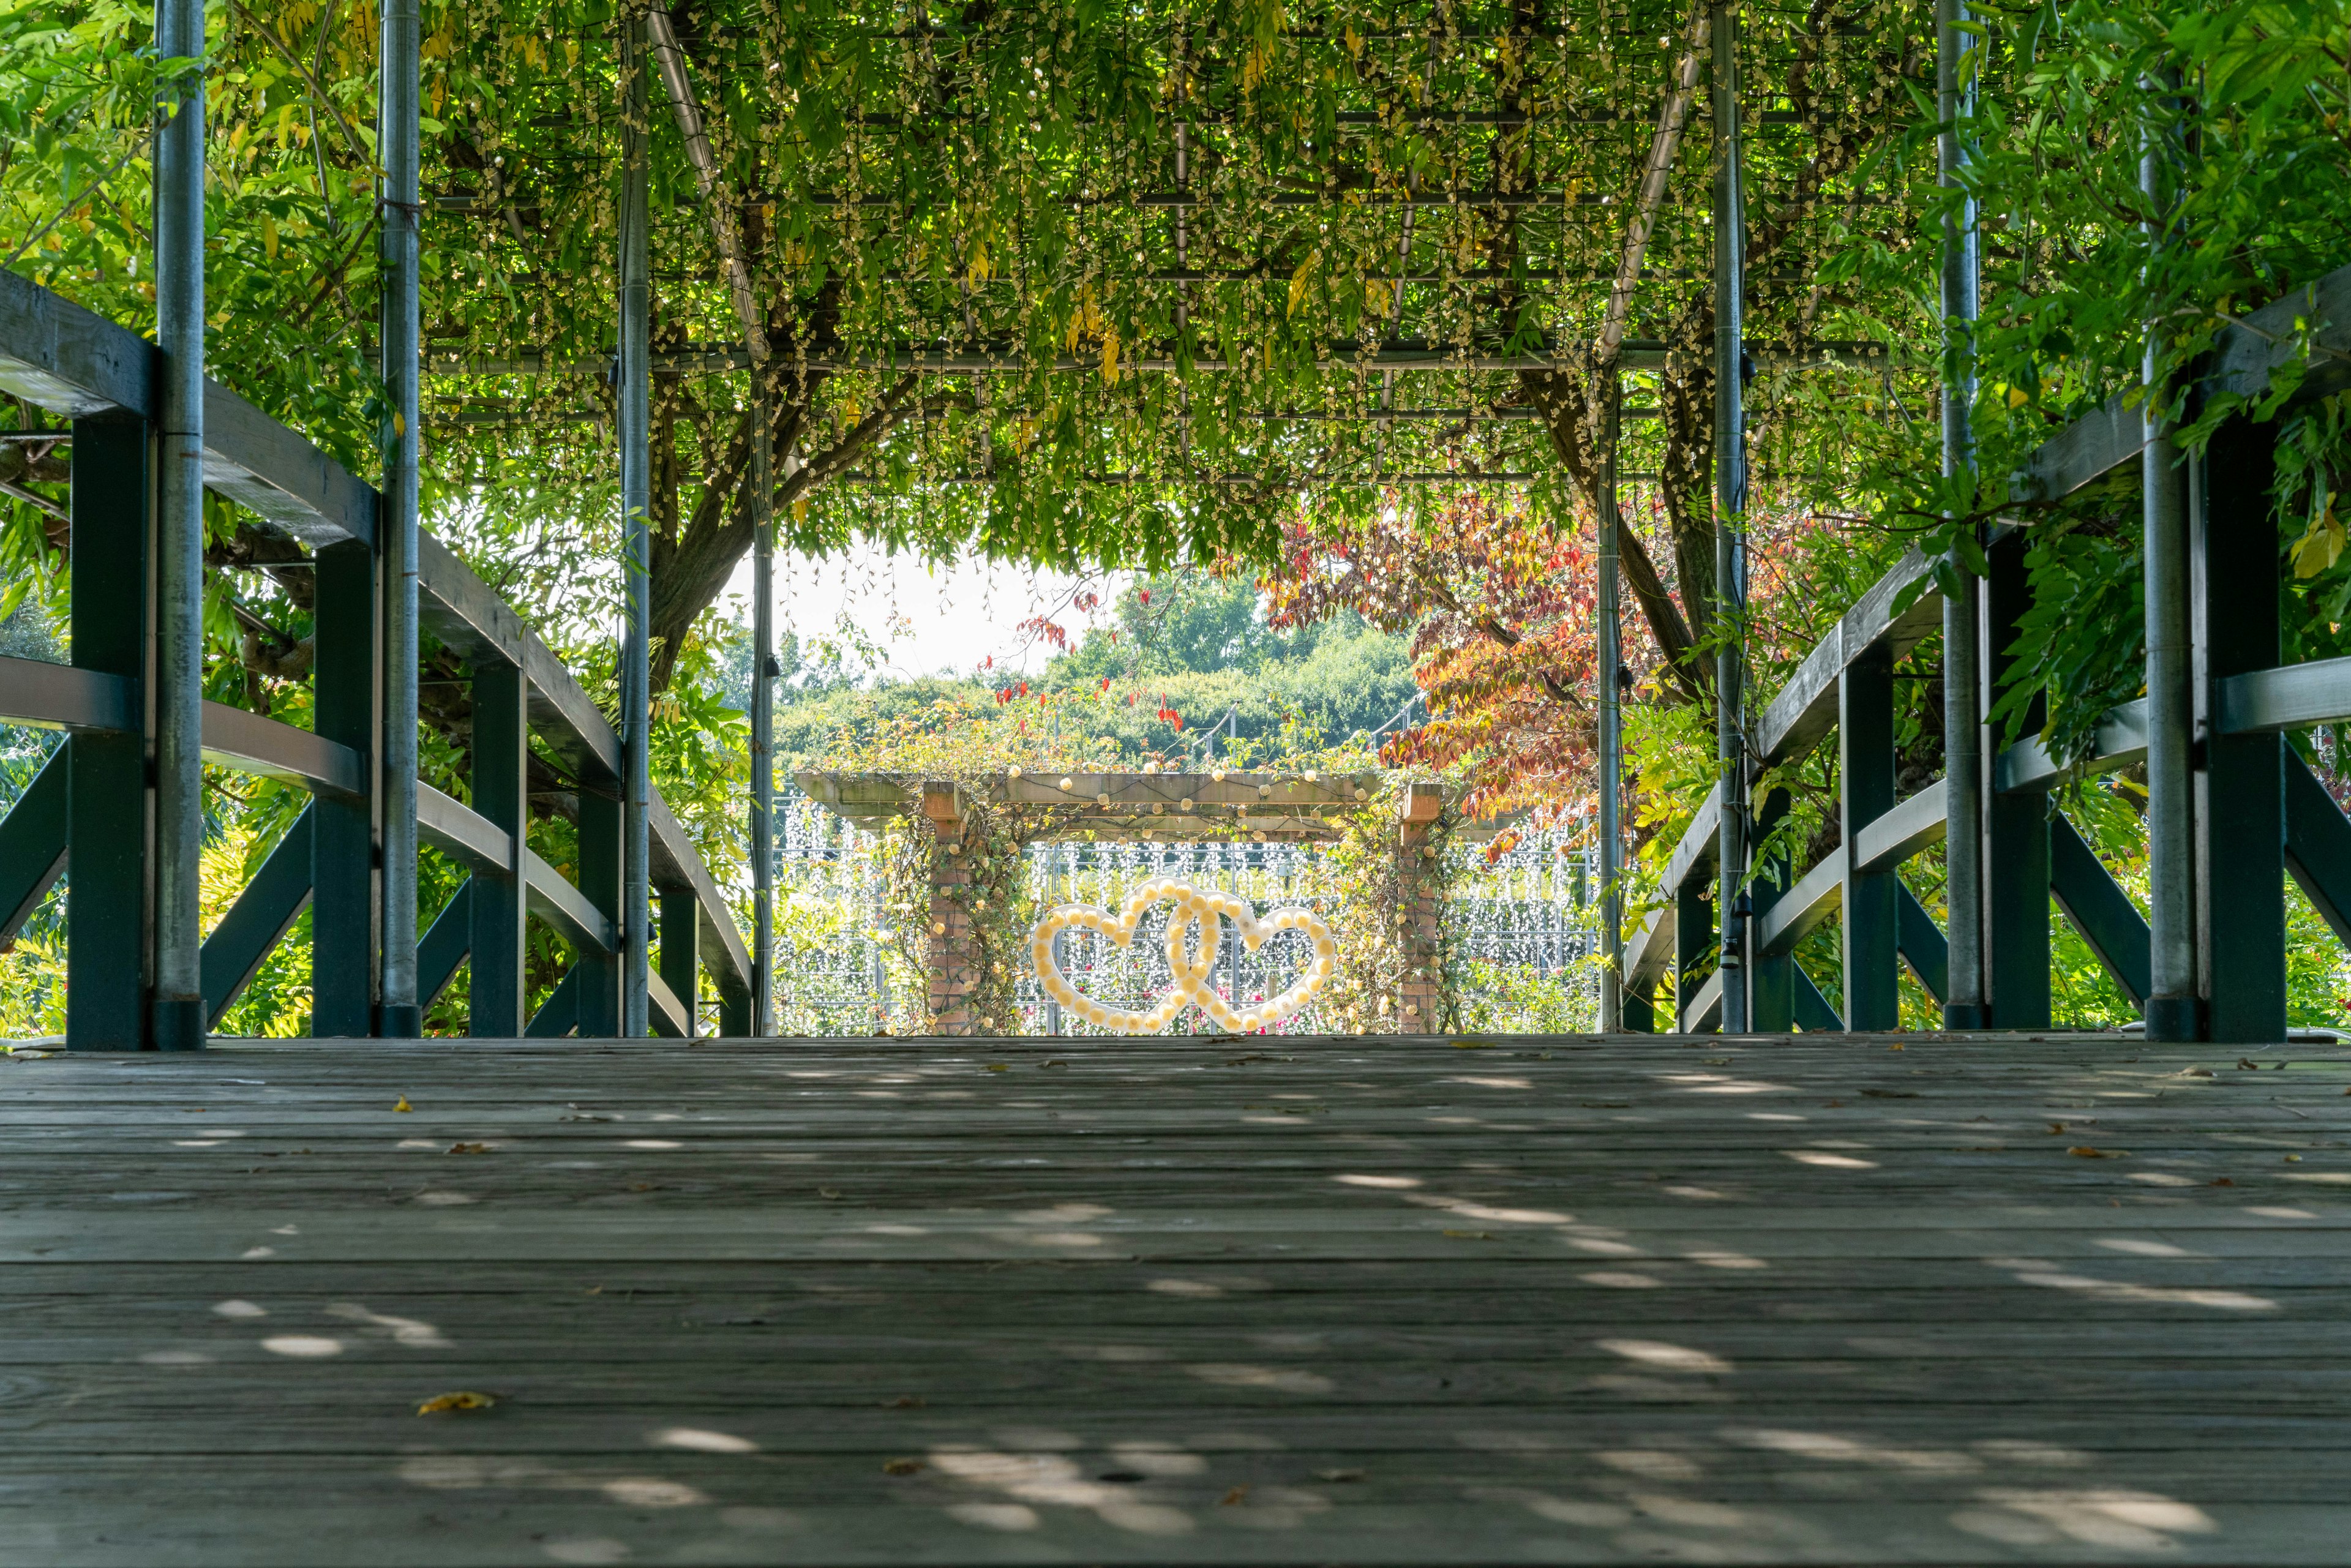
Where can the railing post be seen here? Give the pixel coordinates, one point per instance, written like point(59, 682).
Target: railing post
point(2240, 816)
point(633, 430)
point(346, 834)
point(681, 952)
point(1772, 991)
point(599, 879)
point(397, 131)
point(763, 718)
point(1611, 761)
point(501, 793)
point(1963, 786)
point(109, 827)
point(2016, 827)
point(1873, 998)
point(178, 676)
point(1730, 511)
point(1693, 938)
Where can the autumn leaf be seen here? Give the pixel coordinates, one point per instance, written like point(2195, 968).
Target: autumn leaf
point(901, 1467)
point(404, 1105)
point(2084, 1151)
point(463, 1400)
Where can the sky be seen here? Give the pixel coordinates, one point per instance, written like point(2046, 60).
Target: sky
point(927, 621)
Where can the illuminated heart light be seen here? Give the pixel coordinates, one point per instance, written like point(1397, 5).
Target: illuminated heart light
point(1202, 913)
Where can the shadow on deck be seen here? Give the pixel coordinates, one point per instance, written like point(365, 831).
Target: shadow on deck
point(1819, 1301)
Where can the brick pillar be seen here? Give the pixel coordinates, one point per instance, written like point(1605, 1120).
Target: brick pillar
point(1421, 929)
point(951, 969)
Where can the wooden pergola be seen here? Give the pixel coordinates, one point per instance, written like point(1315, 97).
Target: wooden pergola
point(1142, 806)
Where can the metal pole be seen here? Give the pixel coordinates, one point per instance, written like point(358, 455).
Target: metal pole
point(398, 1016)
point(1962, 696)
point(1730, 506)
point(1612, 763)
point(635, 421)
point(2170, 707)
point(763, 717)
point(178, 1019)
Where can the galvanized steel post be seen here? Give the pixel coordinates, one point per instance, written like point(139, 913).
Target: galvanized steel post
point(177, 1017)
point(763, 714)
point(635, 420)
point(1730, 507)
point(1963, 781)
point(398, 1016)
point(1610, 760)
point(2171, 1004)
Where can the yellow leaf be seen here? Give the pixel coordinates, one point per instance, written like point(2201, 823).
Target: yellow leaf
point(404, 1105)
point(2322, 545)
point(901, 1467)
point(269, 236)
point(463, 1400)
point(1109, 357)
point(1302, 280)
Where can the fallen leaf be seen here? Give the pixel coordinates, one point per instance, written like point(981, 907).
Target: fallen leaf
point(901, 1467)
point(404, 1105)
point(828, 1193)
point(2198, 1072)
point(644, 1186)
point(1340, 1477)
point(2084, 1151)
point(2223, 1181)
point(2248, 1064)
point(459, 1401)
point(2056, 1126)
point(1895, 1046)
point(595, 1289)
point(1000, 1067)
point(904, 1402)
point(1234, 1498)
point(2293, 1159)
point(1043, 1065)
point(469, 1148)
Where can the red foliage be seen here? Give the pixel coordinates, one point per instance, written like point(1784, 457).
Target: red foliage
point(1502, 613)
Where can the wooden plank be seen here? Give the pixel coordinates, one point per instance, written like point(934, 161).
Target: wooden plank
point(1805, 708)
point(676, 864)
point(33, 843)
point(1818, 894)
point(62, 697)
point(444, 944)
point(2293, 696)
point(67, 359)
point(2312, 321)
point(270, 904)
point(2081, 454)
point(2027, 768)
point(1912, 825)
point(2317, 847)
point(1922, 945)
point(251, 744)
point(566, 908)
point(280, 477)
point(460, 833)
point(2099, 909)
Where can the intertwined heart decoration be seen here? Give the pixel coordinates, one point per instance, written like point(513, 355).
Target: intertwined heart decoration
point(1202, 913)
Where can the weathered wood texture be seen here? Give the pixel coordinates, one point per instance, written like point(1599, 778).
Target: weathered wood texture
point(1294, 1301)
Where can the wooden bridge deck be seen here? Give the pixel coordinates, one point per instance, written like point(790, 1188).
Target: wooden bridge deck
point(1817, 1300)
